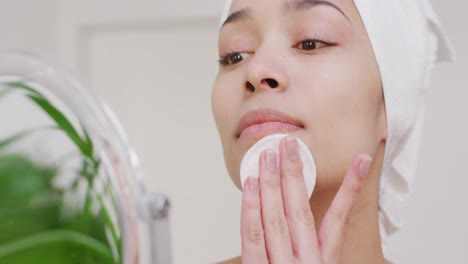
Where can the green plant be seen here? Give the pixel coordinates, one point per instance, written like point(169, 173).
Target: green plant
point(33, 225)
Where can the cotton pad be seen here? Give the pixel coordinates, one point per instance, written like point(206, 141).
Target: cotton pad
point(250, 162)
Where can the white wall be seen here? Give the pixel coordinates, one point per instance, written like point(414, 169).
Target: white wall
point(29, 25)
point(436, 229)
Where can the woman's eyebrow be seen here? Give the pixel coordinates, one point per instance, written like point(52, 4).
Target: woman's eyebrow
point(295, 5)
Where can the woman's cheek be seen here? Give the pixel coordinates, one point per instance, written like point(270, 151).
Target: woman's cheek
point(218, 108)
point(225, 104)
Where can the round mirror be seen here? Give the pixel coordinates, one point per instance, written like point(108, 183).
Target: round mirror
point(70, 185)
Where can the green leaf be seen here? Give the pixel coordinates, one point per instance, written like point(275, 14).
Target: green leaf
point(88, 143)
point(22, 180)
point(62, 122)
point(16, 223)
point(85, 145)
point(54, 237)
point(22, 85)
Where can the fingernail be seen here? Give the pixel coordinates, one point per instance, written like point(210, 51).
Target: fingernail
point(292, 148)
point(364, 166)
point(271, 160)
point(253, 184)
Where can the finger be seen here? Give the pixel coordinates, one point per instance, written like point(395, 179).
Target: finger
point(277, 239)
point(334, 223)
point(296, 203)
point(253, 242)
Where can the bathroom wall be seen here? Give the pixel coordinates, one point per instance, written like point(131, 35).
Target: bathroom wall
point(29, 25)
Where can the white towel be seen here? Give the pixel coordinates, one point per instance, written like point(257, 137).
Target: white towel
point(408, 41)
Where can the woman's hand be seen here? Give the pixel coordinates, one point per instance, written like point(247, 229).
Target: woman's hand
point(277, 225)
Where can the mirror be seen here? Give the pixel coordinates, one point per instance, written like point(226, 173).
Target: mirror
point(71, 190)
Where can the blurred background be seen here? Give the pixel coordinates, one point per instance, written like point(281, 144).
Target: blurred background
point(155, 61)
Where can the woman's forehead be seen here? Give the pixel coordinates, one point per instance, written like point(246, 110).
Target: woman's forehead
point(240, 9)
point(237, 4)
point(346, 7)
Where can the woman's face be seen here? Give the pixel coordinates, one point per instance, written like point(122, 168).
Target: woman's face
point(301, 67)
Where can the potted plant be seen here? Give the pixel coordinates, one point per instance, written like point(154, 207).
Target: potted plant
point(37, 222)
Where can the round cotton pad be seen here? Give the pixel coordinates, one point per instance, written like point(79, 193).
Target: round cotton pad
point(250, 162)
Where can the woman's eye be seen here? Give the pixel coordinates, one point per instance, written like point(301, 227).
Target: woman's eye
point(235, 58)
point(232, 58)
point(312, 44)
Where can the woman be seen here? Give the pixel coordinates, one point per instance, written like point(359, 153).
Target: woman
point(345, 77)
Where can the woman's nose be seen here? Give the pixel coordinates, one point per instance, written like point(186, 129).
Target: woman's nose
point(265, 83)
point(265, 73)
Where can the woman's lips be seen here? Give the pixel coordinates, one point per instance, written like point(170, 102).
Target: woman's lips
point(264, 122)
point(264, 129)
